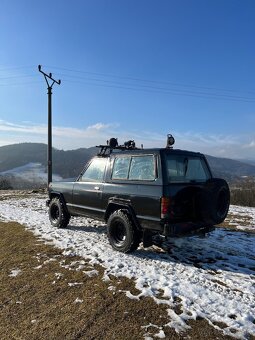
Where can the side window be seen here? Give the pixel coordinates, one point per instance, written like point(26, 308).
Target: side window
point(134, 168)
point(95, 171)
point(196, 170)
point(186, 168)
point(120, 168)
point(142, 168)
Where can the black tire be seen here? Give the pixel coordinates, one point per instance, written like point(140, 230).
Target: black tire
point(214, 201)
point(58, 215)
point(122, 233)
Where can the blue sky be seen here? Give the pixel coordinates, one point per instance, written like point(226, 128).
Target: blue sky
point(135, 69)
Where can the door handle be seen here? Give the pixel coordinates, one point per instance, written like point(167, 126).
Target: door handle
point(96, 188)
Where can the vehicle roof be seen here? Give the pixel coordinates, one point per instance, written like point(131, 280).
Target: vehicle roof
point(154, 151)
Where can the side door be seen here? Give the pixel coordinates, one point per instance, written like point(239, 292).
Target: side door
point(87, 190)
point(134, 179)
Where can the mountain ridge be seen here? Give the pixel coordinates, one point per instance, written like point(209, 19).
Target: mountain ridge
point(68, 164)
point(65, 163)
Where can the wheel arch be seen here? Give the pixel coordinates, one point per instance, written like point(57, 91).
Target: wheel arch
point(55, 194)
point(114, 205)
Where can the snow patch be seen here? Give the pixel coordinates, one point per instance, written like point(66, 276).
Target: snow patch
point(14, 272)
point(34, 173)
point(73, 284)
point(213, 277)
point(91, 273)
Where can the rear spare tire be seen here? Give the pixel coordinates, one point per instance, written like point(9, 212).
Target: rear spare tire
point(213, 201)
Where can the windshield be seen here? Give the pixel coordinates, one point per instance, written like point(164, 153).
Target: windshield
point(185, 169)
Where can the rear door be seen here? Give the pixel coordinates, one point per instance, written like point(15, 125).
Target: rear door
point(87, 190)
point(185, 175)
point(134, 180)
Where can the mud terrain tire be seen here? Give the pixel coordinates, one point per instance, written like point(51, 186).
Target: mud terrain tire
point(122, 233)
point(58, 216)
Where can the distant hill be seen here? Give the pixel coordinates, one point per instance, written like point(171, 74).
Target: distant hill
point(65, 163)
point(247, 161)
point(68, 164)
point(29, 176)
point(230, 169)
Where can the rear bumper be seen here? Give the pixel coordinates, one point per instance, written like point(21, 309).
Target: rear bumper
point(181, 229)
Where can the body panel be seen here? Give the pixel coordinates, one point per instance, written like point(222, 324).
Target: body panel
point(92, 198)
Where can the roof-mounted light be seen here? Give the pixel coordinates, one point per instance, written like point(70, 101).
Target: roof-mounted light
point(112, 142)
point(170, 141)
point(130, 144)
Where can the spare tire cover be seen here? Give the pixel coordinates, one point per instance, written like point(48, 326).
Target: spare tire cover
point(213, 201)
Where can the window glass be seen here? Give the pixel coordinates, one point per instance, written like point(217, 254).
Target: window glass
point(186, 169)
point(142, 168)
point(120, 168)
point(95, 171)
point(134, 168)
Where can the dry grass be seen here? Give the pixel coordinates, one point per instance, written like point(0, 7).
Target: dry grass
point(53, 297)
point(234, 222)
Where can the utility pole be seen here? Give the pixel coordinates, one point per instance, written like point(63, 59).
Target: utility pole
point(48, 77)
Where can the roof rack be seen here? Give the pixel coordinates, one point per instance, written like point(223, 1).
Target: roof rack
point(112, 144)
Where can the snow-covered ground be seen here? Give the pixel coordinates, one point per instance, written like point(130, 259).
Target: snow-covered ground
point(212, 277)
point(242, 218)
point(31, 172)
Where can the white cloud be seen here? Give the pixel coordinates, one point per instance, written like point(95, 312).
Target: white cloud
point(250, 145)
point(99, 126)
point(229, 146)
point(24, 128)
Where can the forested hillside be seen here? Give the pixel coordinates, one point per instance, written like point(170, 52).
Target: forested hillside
point(65, 163)
point(69, 164)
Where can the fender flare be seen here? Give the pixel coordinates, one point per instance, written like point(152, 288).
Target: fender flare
point(53, 194)
point(121, 204)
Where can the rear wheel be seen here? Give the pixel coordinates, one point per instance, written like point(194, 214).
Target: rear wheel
point(122, 233)
point(58, 216)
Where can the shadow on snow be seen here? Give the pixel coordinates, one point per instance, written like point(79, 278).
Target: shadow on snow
point(221, 249)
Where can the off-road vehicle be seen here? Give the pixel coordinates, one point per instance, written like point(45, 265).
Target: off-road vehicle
point(139, 192)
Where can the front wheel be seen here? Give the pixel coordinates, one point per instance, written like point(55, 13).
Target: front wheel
point(122, 233)
point(58, 216)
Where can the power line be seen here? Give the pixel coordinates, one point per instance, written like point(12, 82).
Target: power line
point(137, 84)
point(172, 92)
point(16, 68)
point(161, 88)
point(151, 81)
point(17, 77)
point(21, 83)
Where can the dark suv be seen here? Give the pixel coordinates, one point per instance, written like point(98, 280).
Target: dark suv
point(141, 192)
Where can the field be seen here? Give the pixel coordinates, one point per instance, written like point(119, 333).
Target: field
point(70, 283)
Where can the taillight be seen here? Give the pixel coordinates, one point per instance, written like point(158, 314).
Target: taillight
point(165, 204)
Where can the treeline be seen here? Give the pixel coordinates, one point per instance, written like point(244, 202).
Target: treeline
point(67, 164)
point(5, 184)
point(17, 183)
point(243, 193)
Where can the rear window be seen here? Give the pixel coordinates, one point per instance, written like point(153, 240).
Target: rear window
point(186, 169)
